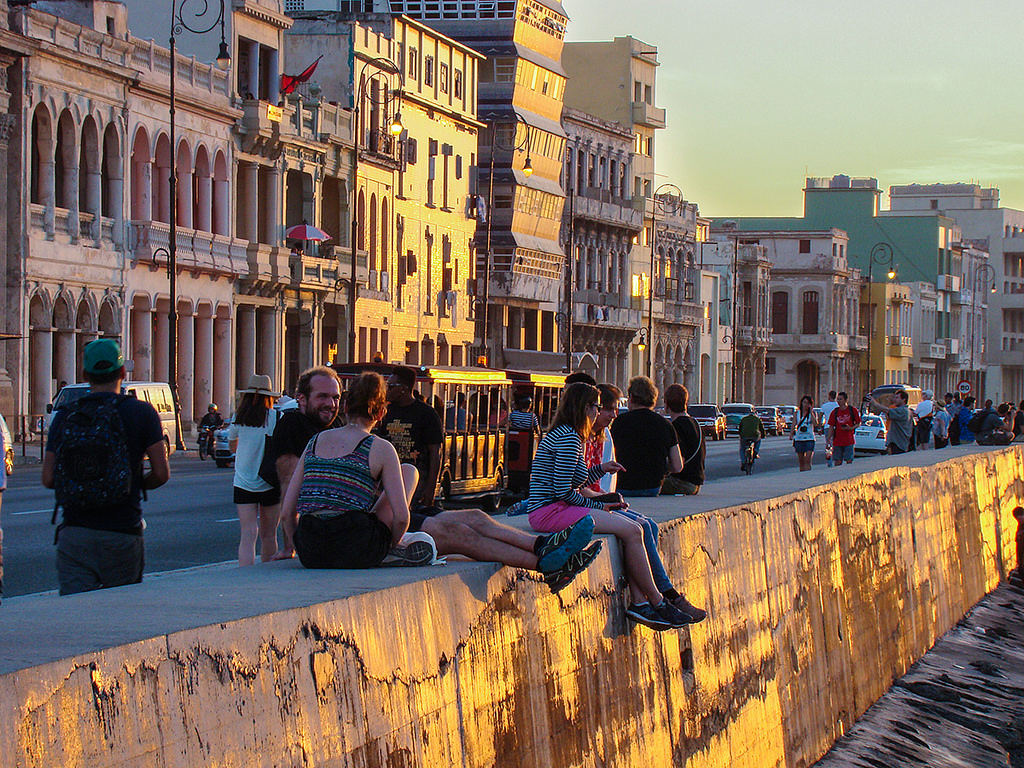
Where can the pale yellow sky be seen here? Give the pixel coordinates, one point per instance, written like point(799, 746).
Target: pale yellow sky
point(760, 93)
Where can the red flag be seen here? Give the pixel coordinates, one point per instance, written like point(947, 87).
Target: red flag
point(288, 82)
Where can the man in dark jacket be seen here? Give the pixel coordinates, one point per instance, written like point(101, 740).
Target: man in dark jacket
point(691, 445)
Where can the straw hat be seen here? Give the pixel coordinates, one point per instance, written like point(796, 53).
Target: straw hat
point(260, 384)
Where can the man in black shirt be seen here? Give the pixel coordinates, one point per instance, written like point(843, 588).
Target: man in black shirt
point(212, 419)
point(645, 443)
point(414, 428)
point(101, 547)
point(318, 394)
point(691, 444)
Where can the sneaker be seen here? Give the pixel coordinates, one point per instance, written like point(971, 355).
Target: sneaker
point(574, 566)
point(411, 552)
point(647, 615)
point(684, 605)
point(673, 615)
point(556, 549)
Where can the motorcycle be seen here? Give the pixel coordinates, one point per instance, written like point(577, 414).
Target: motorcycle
point(205, 442)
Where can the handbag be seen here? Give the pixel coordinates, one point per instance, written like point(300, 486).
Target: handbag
point(268, 464)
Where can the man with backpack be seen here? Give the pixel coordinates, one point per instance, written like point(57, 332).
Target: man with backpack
point(93, 461)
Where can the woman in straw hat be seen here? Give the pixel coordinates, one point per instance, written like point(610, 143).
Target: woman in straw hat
point(258, 502)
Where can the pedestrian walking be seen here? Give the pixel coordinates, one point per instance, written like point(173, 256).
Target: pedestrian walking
point(555, 501)
point(963, 418)
point(940, 426)
point(257, 500)
point(802, 433)
point(841, 435)
point(93, 461)
point(826, 412)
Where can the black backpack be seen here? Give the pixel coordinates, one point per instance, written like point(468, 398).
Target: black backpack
point(93, 471)
point(974, 425)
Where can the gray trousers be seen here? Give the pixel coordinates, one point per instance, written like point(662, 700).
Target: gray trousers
point(89, 559)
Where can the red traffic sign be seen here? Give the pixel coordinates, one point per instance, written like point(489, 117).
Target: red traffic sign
point(964, 387)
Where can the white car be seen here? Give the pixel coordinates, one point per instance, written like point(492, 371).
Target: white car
point(869, 437)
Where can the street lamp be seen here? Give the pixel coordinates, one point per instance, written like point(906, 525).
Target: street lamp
point(666, 197)
point(386, 69)
point(202, 22)
point(983, 275)
point(516, 146)
point(881, 254)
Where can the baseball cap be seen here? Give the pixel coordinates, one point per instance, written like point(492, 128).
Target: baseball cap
point(102, 356)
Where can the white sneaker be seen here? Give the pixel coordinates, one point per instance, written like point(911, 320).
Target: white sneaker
point(415, 549)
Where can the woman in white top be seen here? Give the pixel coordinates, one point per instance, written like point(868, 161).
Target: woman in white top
point(802, 432)
point(257, 501)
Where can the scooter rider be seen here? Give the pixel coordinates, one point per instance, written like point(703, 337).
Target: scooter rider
point(212, 419)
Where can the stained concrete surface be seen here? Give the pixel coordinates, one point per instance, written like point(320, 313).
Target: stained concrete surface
point(962, 704)
point(819, 597)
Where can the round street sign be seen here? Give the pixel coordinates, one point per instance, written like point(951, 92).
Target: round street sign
point(964, 387)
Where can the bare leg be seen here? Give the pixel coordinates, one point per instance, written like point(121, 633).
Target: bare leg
point(486, 526)
point(382, 509)
point(638, 567)
point(455, 537)
point(269, 519)
point(247, 516)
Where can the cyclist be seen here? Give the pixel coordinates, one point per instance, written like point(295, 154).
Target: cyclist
point(751, 431)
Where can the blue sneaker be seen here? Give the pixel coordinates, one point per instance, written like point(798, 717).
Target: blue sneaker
point(558, 547)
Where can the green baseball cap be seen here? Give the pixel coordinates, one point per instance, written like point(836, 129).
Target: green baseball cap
point(102, 356)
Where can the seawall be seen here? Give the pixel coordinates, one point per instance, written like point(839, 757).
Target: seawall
point(818, 598)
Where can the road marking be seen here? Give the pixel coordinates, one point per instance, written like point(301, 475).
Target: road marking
point(227, 520)
point(32, 512)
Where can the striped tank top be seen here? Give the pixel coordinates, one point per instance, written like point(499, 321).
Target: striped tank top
point(334, 485)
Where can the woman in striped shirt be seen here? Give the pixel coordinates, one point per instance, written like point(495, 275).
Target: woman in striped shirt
point(555, 502)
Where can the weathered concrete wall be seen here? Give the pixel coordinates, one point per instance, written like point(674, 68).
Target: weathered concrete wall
point(817, 602)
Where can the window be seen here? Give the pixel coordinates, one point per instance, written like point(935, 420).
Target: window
point(443, 78)
point(780, 312)
point(648, 95)
point(410, 151)
point(504, 70)
point(805, 246)
point(428, 70)
point(769, 366)
point(810, 324)
point(934, 205)
point(458, 166)
point(414, 63)
point(458, 84)
point(431, 171)
point(638, 90)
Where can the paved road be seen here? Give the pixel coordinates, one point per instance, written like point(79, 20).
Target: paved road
point(191, 521)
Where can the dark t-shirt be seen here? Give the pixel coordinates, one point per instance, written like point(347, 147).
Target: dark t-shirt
point(293, 431)
point(411, 429)
point(693, 448)
point(989, 424)
point(642, 441)
point(142, 429)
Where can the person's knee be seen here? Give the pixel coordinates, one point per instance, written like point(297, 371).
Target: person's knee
point(410, 476)
point(632, 532)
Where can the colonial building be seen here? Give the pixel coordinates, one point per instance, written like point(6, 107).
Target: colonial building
point(600, 226)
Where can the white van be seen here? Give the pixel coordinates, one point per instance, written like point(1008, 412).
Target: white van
point(156, 393)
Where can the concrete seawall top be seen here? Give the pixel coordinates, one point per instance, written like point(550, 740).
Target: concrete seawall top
point(37, 629)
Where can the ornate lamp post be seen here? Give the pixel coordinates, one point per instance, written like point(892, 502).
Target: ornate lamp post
point(666, 197)
point(386, 69)
point(984, 275)
point(483, 303)
point(200, 20)
point(881, 254)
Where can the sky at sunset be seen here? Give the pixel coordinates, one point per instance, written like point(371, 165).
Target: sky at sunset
point(761, 93)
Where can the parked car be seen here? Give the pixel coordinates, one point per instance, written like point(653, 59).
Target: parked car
point(710, 418)
point(734, 413)
point(788, 413)
point(869, 437)
point(771, 419)
point(156, 393)
point(8, 447)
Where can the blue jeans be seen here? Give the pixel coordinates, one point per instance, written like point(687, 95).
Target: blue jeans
point(661, 579)
point(744, 441)
point(642, 492)
point(841, 453)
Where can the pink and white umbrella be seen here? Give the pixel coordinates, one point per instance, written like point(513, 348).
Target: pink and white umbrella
point(306, 232)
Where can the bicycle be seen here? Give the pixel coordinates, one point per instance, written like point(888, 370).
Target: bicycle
point(749, 456)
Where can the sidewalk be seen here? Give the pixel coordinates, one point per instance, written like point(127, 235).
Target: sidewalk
point(216, 594)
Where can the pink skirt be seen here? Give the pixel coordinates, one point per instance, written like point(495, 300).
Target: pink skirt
point(556, 516)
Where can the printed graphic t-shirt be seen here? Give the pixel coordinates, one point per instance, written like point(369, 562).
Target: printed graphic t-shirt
point(411, 429)
point(843, 421)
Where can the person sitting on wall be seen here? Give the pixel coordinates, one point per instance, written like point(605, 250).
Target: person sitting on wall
point(996, 427)
point(645, 443)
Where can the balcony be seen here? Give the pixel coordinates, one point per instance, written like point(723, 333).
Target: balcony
point(198, 252)
point(753, 335)
point(648, 114)
point(601, 206)
point(314, 272)
point(948, 283)
point(684, 312)
point(931, 351)
point(900, 346)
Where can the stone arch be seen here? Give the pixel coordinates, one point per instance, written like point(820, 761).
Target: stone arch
point(40, 310)
point(808, 379)
point(86, 314)
point(373, 234)
point(111, 174)
point(141, 176)
point(66, 162)
point(202, 181)
point(64, 312)
point(42, 152)
point(109, 319)
point(221, 194)
point(183, 187)
point(89, 159)
point(161, 179)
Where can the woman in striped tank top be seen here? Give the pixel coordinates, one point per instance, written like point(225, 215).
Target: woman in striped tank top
point(333, 493)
